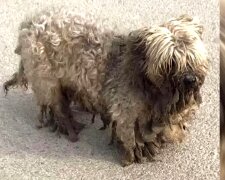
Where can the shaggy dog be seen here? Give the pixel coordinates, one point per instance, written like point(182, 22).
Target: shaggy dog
point(222, 88)
point(144, 84)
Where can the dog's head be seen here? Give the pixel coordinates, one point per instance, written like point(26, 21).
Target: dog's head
point(172, 55)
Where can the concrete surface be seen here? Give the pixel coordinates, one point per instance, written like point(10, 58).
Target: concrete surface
point(28, 153)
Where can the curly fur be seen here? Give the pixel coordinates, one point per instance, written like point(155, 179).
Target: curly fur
point(135, 82)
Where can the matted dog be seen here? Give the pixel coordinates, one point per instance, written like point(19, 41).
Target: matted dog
point(145, 84)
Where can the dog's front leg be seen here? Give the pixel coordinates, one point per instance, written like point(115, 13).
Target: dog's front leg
point(126, 141)
point(124, 133)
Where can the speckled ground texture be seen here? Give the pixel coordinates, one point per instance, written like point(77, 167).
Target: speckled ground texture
point(28, 153)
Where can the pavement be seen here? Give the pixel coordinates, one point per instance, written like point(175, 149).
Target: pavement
point(28, 153)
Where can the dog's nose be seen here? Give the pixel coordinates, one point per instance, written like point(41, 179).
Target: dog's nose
point(189, 79)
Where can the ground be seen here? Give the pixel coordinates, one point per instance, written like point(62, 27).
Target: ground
point(28, 153)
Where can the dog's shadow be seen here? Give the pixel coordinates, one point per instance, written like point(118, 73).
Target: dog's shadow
point(19, 118)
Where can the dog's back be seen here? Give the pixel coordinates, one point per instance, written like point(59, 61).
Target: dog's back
point(61, 50)
point(68, 48)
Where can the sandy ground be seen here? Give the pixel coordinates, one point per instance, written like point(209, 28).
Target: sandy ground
point(28, 153)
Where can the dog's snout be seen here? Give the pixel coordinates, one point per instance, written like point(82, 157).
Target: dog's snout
point(189, 79)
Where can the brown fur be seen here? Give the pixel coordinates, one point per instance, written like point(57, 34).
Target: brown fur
point(144, 104)
point(136, 83)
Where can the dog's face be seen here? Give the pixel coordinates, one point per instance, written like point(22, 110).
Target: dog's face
point(174, 56)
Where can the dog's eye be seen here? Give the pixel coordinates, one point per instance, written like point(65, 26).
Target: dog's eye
point(172, 68)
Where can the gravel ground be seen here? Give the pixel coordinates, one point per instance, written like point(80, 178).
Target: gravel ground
point(28, 153)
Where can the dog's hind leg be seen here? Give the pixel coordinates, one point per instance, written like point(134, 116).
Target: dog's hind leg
point(68, 97)
point(105, 120)
point(42, 116)
point(93, 118)
point(49, 93)
point(63, 118)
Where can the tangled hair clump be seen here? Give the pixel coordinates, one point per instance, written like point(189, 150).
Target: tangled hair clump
point(55, 39)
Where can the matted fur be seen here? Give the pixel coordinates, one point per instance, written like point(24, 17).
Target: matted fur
point(135, 82)
point(177, 42)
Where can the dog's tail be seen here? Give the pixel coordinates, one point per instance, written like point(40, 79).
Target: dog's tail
point(18, 78)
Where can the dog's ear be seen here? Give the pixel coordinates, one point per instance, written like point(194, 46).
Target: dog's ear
point(143, 45)
point(136, 44)
point(192, 22)
point(186, 23)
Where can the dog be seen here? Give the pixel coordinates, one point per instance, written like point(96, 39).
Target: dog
point(145, 84)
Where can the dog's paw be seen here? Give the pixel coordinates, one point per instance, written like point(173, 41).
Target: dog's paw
point(127, 157)
point(103, 127)
point(77, 126)
point(72, 137)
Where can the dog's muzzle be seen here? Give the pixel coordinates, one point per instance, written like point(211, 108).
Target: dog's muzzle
point(189, 81)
